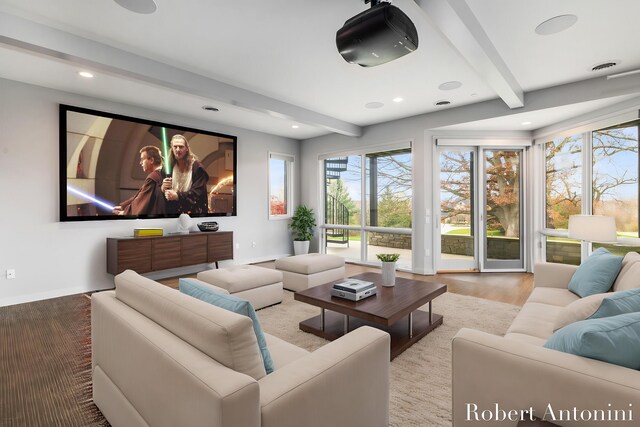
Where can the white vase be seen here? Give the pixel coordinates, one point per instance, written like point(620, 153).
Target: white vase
point(184, 222)
point(300, 247)
point(388, 274)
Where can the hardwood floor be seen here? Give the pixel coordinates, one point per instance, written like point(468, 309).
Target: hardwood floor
point(511, 288)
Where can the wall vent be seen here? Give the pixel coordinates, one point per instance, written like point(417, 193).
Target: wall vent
point(604, 65)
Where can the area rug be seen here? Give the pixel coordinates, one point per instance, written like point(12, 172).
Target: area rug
point(45, 364)
point(421, 376)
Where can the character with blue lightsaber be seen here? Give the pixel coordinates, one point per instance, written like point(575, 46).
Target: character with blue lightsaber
point(149, 200)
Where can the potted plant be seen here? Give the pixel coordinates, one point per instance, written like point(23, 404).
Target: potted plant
point(388, 268)
point(302, 223)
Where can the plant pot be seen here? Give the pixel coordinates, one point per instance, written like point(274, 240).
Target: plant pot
point(388, 274)
point(300, 247)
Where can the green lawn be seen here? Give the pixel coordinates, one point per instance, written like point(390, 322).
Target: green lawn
point(467, 232)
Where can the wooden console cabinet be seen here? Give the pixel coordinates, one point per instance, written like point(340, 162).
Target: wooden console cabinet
point(145, 254)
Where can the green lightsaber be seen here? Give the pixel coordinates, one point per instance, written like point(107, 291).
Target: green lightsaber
point(165, 150)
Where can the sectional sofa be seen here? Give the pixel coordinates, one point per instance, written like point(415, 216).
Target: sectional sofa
point(516, 373)
point(163, 358)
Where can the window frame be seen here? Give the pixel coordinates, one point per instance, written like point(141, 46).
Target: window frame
point(586, 132)
point(289, 161)
point(363, 228)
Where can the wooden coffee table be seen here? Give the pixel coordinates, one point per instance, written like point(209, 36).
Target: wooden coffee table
point(393, 309)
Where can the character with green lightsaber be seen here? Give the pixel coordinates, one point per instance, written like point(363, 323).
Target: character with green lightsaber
point(185, 187)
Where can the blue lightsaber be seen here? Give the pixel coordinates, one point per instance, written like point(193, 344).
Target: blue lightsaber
point(90, 198)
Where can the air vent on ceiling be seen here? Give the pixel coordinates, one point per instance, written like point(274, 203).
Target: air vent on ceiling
point(604, 65)
point(440, 103)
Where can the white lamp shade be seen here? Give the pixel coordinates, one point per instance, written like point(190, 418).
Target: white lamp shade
point(593, 228)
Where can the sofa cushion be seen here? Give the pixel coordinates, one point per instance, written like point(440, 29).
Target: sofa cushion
point(552, 296)
point(222, 335)
point(617, 303)
point(579, 310)
point(611, 339)
point(629, 276)
point(282, 352)
point(596, 274)
point(516, 336)
point(536, 320)
point(231, 303)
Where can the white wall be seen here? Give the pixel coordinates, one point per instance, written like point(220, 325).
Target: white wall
point(52, 258)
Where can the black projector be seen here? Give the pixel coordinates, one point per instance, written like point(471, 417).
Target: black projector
point(376, 36)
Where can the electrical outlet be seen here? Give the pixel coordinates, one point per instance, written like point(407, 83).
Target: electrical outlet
point(237, 245)
point(253, 244)
point(11, 274)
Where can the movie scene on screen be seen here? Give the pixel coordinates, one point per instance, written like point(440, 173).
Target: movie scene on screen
point(119, 167)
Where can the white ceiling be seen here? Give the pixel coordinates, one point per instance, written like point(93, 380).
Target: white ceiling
point(269, 65)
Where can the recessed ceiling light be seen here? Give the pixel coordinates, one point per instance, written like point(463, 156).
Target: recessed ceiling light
point(525, 123)
point(138, 6)
point(209, 108)
point(398, 99)
point(373, 105)
point(441, 103)
point(85, 74)
point(556, 24)
point(295, 126)
point(450, 85)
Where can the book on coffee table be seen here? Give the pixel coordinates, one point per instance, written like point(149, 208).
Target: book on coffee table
point(355, 286)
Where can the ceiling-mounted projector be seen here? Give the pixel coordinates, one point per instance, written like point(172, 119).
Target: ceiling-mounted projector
point(376, 36)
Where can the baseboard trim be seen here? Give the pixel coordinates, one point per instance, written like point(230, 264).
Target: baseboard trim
point(39, 296)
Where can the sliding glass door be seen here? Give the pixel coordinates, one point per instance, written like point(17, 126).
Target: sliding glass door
point(502, 216)
point(457, 224)
point(480, 220)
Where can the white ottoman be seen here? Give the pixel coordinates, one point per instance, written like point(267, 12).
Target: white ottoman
point(302, 272)
point(260, 286)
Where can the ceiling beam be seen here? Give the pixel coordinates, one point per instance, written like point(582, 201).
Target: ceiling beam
point(43, 40)
point(557, 96)
point(457, 23)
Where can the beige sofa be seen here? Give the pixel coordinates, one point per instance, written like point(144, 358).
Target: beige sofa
point(161, 358)
point(516, 372)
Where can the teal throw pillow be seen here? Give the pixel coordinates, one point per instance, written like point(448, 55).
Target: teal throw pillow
point(231, 303)
point(614, 339)
point(621, 302)
point(596, 274)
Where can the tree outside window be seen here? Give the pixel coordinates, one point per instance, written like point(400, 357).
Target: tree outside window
point(615, 177)
point(563, 180)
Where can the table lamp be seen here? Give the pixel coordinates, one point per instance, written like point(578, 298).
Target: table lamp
point(593, 228)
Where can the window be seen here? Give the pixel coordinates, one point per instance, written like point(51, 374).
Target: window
point(615, 176)
point(563, 180)
point(280, 185)
point(343, 190)
point(368, 205)
point(592, 173)
point(389, 189)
